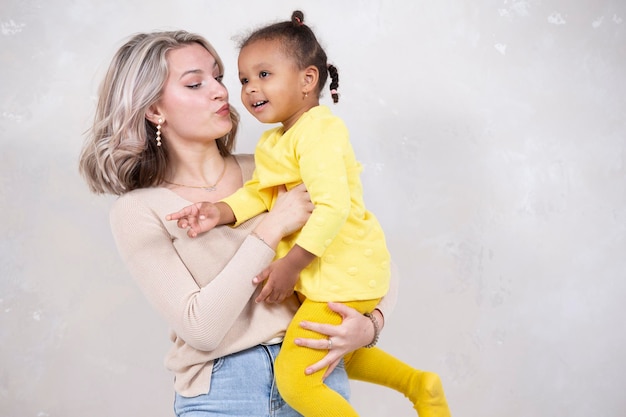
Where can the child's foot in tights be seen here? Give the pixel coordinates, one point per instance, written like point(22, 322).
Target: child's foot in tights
point(431, 400)
point(422, 388)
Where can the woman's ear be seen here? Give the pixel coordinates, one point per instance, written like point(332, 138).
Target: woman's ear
point(153, 114)
point(311, 78)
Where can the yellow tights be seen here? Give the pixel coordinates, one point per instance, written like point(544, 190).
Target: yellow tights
point(308, 394)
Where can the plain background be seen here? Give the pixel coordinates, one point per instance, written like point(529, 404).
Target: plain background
point(493, 137)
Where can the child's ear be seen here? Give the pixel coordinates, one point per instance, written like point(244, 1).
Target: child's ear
point(311, 78)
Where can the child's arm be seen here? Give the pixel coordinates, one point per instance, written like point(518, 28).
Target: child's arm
point(202, 217)
point(282, 275)
point(326, 177)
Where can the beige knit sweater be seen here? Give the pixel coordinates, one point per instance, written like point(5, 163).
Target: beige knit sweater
point(201, 286)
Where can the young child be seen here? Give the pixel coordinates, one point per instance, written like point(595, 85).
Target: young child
point(340, 254)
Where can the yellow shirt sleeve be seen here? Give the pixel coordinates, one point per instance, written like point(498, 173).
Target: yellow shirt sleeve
point(321, 148)
point(247, 201)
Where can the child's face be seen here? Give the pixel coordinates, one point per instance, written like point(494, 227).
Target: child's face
point(271, 84)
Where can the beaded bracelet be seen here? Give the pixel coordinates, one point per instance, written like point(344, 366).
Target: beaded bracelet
point(376, 330)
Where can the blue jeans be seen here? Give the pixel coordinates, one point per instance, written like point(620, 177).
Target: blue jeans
point(243, 385)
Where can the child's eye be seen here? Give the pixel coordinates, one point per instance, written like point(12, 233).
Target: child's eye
point(263, 74)
point(244, 81)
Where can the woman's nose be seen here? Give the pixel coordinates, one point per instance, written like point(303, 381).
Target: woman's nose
point(219, 90)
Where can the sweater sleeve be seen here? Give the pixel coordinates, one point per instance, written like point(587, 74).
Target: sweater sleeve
point(201, 316)
point(320, 152)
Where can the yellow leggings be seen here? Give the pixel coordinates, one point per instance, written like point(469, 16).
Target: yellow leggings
point(308, 394)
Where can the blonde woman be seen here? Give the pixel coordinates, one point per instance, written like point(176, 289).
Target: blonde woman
point(162, 138)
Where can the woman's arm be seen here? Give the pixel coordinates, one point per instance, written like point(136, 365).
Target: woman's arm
point(201, 316)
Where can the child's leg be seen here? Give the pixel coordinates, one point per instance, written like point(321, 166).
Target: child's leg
point(424, 389)
point(376, 366)
point(308, 394)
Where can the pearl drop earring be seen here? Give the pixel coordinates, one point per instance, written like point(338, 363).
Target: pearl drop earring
point(158, 134)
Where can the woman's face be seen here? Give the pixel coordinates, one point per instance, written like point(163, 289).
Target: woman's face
point(194, 105)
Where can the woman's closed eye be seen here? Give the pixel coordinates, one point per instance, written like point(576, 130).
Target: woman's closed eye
point(193, 86)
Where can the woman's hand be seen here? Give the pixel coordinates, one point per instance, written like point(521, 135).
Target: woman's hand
point(292, 209)
point(354, 332)
point(290, 212)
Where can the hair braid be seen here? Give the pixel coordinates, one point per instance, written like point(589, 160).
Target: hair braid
point(334, 82)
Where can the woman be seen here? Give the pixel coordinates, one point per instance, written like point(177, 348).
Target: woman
point(162, 137)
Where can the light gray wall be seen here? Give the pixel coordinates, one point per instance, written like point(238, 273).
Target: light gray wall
point(493, 136)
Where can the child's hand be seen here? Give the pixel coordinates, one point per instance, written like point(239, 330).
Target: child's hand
point(280, 279)
point(198, 218)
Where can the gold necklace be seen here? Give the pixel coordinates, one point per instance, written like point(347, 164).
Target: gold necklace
point(209, 188)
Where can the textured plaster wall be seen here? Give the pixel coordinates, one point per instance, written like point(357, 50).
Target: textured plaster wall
point(493, 136)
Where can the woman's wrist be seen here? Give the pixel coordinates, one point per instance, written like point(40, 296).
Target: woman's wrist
point(377, 319)
point(378, 313)
point(267, 234)
point(259, 237)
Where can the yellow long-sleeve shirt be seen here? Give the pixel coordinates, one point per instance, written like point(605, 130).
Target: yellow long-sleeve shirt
point(352, 259)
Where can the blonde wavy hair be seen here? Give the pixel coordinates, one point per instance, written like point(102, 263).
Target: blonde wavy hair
point(120, 152)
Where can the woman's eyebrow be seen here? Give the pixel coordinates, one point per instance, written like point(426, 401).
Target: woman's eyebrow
point(196, 71)
point(191, 71)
